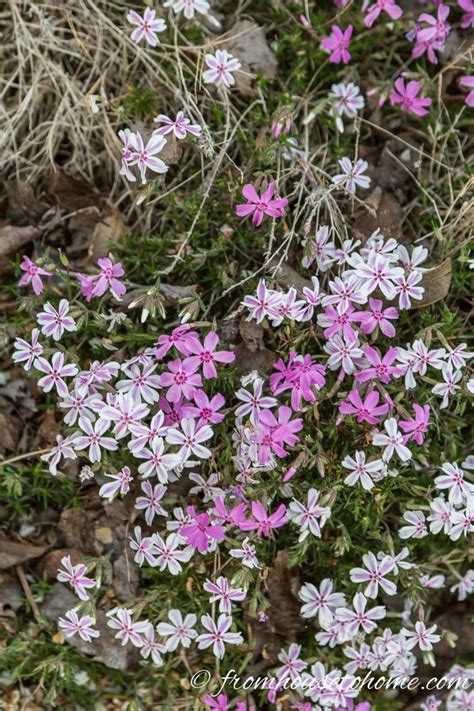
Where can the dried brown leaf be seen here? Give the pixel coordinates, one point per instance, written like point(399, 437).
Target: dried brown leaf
point(14, 238)
point(13, 553)
point(436, 283)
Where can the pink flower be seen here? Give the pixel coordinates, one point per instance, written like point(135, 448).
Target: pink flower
point(265, 303)
point(438, 29)
point(75, 624)
point(467, 81)
point(222, 592)
point(338, 44)
point(33, 274)
point(179, 127)
point(258, 206)
point(276, 432)
point(366, 411)
point(121, 619)
point(221, 65)
point(181, 379)
point(120, 482)
point(147, 26)
point(335, 322)
point(199, 533)
point(377, 317)
point(467, 20)
point(94, 439)
point(381, 368)
point(416, 428)
point(292, 664)
point(234, 517)
point(407, 97)
point(180, 338)
point(151, 501)
point(55, 322)
point(74, 575)
point(219, 704)
point(207, 355)
point(262, 522)
point(387, 6)
point(206, 410)
point(108, 278)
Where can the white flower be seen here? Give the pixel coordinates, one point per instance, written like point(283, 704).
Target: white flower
point(218, 635)
point(310, 518)
point(221, 65)
point(352, 175)
point(392, 441)
point(361, 470)
point(417, 526)
point(320, 602)
point(177, 630)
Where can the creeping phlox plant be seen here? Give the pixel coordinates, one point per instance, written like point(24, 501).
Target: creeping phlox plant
point(150, 419)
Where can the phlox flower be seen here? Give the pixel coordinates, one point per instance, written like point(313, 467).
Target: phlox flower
point(406, 289)
point(360, 470)
point(201, 531)
point(310, 517)
point(264, 304)
point(345, 100)
point(344, 353)
point(422, 636)
point(441, 517)
point(75, 576)
point(365, 411)
point(93, 438)
point(206, 487)
point(416, 427)
point(374, 574)
point(392, 441)
point(222, 592)
point(121, 619)
point(449, 386)
point(178, 631)
point(221, 65)
point(151, 647)
point(145, 156)
point(467, 82)
point(334, 322)
point(352, 175)
point(416, 525)
point(217, 634)
point(157, 463)
point(377, 317)
point(377, 272)
point(292, 664)
point(458, 357)
point(180, 338)
point(168, 555)
point(435, 582)
point(188, 7)
point(438, 29)
point(147, 26)
point(207, 355)
point(345, 292)
point(260, 205)
point(467, 20)
point(80, 625)
point(379, 368)
point(288, 307)
point(312, 297)
point(235, 516)
point(464, 586)
point(337, 43)
point(453, 479)
point(246, 553)
point(55, 372)
point(128, 146)
point(218, 704)
point(33, 274)
point(107, 280)
point(142, 383)
point(78, 405)
point(359, 617)
point(55, 321)
point(319, 248)
point(407, 97)
point(63, 448)
point(179, 127)
point(150, 501)
point(263, 522)
point(321, 603)
point(25, 352)
point(181, 379)
point(190, 437)
point(254, 403)
point(373, 11)
point(120, 482)
point(124, 413)
point(207, 411)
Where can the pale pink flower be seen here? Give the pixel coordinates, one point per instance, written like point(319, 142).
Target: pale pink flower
point(151, 501)
point(361, 470)
point(145, 156)
point(264, 304)
point(454, 480)
point(221, 65)
point(121, 619)
point(218, 634)
point(55, 372)
point(63, 448)
point(180, 126)
point(142, 383)
point(352, 175)
point(222, 592)
point(157, 463)
point(169, 555)
point(359, 617)
point(292, 664)
point(188, 7)
point(94, 439)
point(147, 26)
point(75, 624)
point(75, 576)
point(25, 352)
point(392, 441)
point(416, 525)
point(120, 482)
point(190, 437)
point(374, 574)
point(310, 517)
point(56, 321)
point(178, 631)
point(467, 82)
point(422, 636)
point(321, 603)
